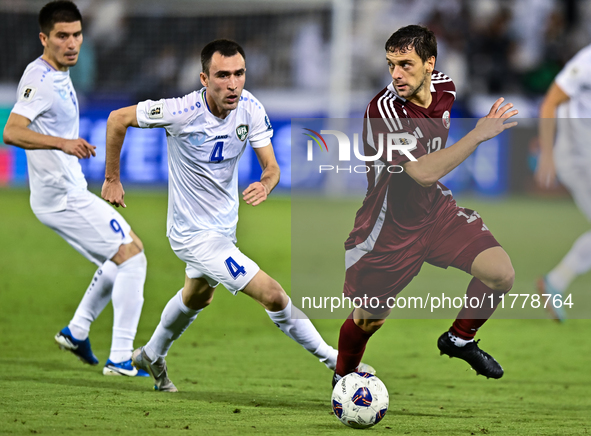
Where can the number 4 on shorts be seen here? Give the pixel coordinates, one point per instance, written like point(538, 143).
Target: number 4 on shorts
point(217, 152)
point(234, 269)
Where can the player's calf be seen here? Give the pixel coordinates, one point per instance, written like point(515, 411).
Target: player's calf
point(292, 321)
point(267, 291)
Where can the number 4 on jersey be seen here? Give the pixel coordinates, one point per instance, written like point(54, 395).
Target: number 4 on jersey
point(216, 154)
point(234, 269)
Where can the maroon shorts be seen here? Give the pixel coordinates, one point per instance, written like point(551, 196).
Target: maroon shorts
point(455, 243)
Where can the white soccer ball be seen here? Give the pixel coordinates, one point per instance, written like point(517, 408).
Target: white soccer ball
point(360, 400)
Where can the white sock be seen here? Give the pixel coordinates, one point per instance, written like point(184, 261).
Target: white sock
point(296, 325)
point(128, 299)
point(94, 301)
point(576, 262)
point(459, 342)
point(176, 317)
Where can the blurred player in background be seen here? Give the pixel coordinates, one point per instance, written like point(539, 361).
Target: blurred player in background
point(207, 132)
point(409, 218)
point(564, 132)
point(44, 122)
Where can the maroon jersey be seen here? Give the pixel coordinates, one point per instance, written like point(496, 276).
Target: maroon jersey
point(397, 211)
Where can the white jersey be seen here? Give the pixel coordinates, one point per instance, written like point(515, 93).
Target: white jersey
point(575, 81)
point(47, 98)
point(203, 155)
point(574, 124)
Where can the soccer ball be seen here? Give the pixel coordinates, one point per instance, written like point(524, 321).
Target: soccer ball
point(360, 400)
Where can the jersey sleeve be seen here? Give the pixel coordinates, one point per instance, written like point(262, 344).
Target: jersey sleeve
point(261, 132)
point(385, 124)
point(170, 113)
point(576, 74)
point(34, 97)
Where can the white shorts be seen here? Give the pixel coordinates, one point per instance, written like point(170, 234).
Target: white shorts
point(574, 172)
point(95, 229)
point(215, 258)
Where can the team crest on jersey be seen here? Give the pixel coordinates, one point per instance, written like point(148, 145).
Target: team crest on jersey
point(446, 120)
point(28, 93)
point(156, 111)
point(242, 131)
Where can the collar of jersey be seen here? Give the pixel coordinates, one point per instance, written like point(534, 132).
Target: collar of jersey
point(204, 98)
point(47, 63)
point(391, 88)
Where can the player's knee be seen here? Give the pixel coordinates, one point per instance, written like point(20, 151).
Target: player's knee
point(504, 278)
point(370, 325)
point(126, 252)
point(197, 301)
point(274, 298)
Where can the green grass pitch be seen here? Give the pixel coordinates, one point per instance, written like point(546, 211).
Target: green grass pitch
point(238, 374)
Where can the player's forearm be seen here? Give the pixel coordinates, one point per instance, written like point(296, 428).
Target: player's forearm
point(429, 168)
point(116, 131)
point(547, 126)
point(24, 137)
point(270, 177)
point(548, 109)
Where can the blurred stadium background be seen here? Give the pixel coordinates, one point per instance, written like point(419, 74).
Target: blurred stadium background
point(310, 58)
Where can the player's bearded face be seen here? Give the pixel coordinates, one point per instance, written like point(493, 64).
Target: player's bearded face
point(408, 72)
point(62, 46)
point(224, 83)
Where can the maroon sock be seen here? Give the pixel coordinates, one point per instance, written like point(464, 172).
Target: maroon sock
point(352, 341)
point(470, 319)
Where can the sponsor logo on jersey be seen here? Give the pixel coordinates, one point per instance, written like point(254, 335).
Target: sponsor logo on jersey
point(64, 94)
point(156, 111)
point(242, 131)
point(220, 137)
point(446, 120)
point(28, 93)
point(268, 123)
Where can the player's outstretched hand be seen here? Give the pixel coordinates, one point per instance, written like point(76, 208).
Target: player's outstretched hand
point(545, 175)
point(494, 123)
point(113, 192)
point(79, 148)
point(255, 194)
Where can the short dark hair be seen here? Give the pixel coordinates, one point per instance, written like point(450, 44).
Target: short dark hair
point(61, 11)
point(225, 47)
point(418, 37)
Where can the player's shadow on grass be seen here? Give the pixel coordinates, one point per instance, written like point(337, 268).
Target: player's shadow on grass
point(49, 365)
point(255, 400)
point(96, 381)
point(90, 381)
